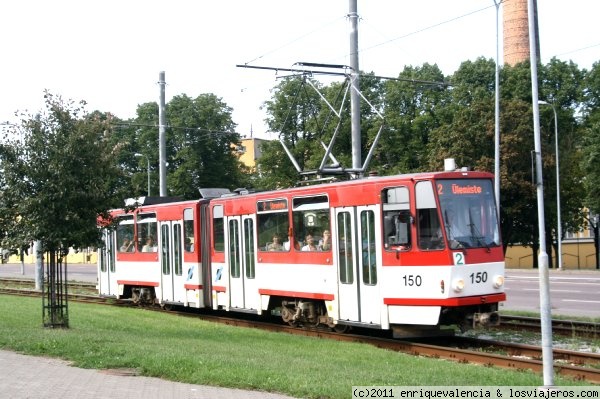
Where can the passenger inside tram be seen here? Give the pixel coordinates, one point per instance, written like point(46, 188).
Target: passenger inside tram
point(149, 247)
point(275, 245)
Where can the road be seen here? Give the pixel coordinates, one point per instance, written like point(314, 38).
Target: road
point(572, 293)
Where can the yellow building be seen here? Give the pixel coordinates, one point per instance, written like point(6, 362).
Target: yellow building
point(249, 151)
point(578, 252)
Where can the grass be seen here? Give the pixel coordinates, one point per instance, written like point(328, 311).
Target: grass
point(194, 351)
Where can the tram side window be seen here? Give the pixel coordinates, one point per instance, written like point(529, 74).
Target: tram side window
point(346, 269)
point(147, 233)
point(188, 230)
point(397, 219)
point(429, 227)
point(273, 225)
point(367, 239)
point(311, 223)
point(125, 242)
point(218, 229)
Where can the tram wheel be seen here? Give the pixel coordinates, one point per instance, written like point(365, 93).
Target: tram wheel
point(341, 328)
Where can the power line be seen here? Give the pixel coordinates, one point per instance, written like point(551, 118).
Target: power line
point(579, 49)
point(429, 27)
point(293, 41)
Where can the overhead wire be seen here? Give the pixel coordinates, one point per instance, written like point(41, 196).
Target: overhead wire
point(436, 25)
point(293, 41)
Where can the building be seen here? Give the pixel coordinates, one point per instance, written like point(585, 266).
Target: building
point(249, 151)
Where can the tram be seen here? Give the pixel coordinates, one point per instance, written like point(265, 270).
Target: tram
point(408, 253)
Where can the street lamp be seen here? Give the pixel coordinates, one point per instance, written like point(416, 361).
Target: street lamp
point(137, 155)
point(559, 228)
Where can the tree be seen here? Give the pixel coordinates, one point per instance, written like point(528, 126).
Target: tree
point(591, 138)
point(59, 175)
point(411, 114)
point(201, 143)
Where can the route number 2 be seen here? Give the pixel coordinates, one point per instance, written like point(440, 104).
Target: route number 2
point(459, 258)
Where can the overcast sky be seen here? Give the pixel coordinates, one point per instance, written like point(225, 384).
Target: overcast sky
point(110, 52)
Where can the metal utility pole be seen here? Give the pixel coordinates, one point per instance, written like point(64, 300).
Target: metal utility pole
point(545, 315)
point(497, 115)
point(354, 92)
point(162, 136)
point(558, 223)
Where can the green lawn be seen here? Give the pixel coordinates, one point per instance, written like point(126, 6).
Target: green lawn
point(194, 351)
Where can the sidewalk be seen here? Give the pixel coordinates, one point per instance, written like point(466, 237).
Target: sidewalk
point(23, 377)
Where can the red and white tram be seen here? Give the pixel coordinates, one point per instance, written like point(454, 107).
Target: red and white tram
point(403, 252)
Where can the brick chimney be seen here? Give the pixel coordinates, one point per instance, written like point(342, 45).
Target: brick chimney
point(516, 31)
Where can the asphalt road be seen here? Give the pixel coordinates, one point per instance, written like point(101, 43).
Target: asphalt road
point(572, 292)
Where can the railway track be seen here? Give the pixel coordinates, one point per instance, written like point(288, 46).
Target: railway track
point(577, 365)
point(563, 327)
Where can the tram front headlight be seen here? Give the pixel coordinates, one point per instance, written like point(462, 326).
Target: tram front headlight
point(458, 284)
point(498, 281)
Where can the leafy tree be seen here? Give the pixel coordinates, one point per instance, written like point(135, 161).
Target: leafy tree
point(591, 138)
point(201, 142)
point(59, 175)
point(410, 113)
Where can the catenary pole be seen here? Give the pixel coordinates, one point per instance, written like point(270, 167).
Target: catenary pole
point(354, 93)
point(545, 314)
point(497, 113)
point(162, 140)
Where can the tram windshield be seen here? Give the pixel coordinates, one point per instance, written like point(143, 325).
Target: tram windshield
point(469, 215)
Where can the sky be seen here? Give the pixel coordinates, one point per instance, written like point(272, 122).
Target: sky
point(110, 52)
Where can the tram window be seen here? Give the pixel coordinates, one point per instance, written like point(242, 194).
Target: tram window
point(469, 213)
point(125, 234)
point(249, 248)
point(146, 232)
point(188, 229)
point(367, 239)
point(344, 233)
point(234, 251)
point(397, 219)
point(218, 229)
point(273, 225)
point(429, 227)
point(177, 261)
point(311, 223)
point(273, 231)
point(165, 255)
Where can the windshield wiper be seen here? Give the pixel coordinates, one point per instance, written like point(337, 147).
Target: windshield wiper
point(476, 234)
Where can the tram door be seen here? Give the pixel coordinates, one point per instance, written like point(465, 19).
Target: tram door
point(243, 289)
point(106, 264)
point(358, 243)
point(171, 261)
